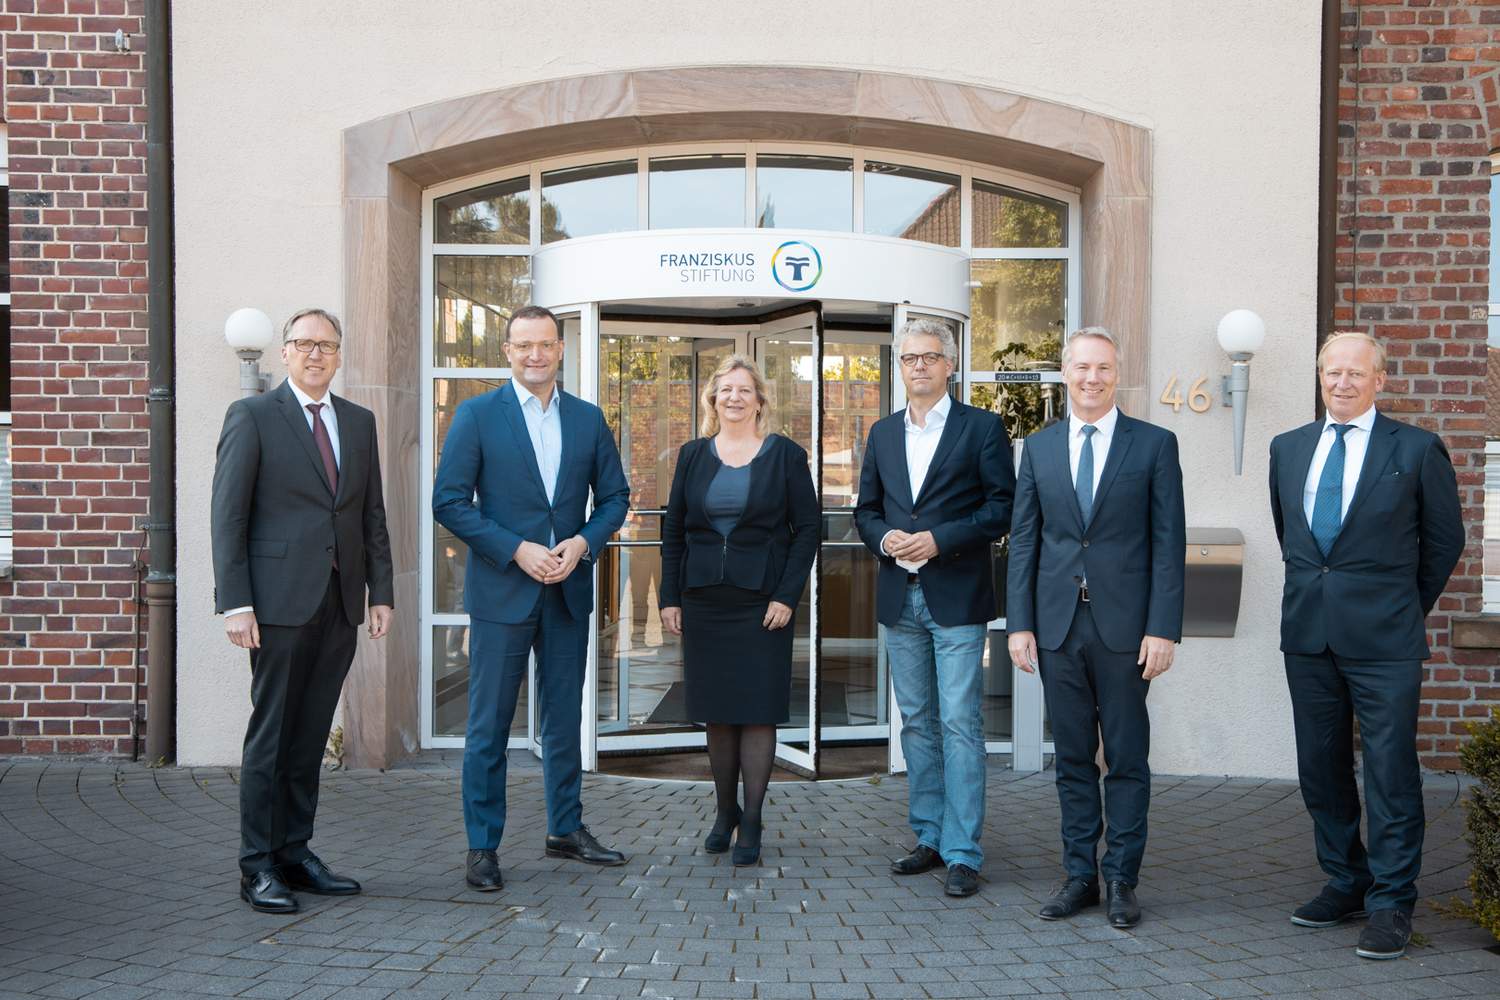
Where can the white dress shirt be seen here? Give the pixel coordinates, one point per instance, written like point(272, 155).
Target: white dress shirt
point(921, 446)
point(545, 429)
point(1104, 433)
point(330, 421)
point(1356, 443)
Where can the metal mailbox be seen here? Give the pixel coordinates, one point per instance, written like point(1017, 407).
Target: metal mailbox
point(1215, 574)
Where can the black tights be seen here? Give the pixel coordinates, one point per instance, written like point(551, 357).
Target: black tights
point(735, 752)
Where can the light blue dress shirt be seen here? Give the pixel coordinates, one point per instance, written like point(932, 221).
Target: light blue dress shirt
point(544, 425)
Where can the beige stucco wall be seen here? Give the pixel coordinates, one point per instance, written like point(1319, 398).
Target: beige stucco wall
point(264, 90)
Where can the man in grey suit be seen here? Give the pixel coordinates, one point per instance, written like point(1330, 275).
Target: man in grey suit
point(299, 537)
point(1098, 545)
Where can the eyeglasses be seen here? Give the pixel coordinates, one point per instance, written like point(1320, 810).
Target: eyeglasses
point(526, 347)
point(928, 358)
point(323, 346)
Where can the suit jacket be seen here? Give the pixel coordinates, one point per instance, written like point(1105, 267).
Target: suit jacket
point(1132, 551)
point(964, 501)
point(1402, 536)
point(771, 548)
point(488, 452)
point(277, 524)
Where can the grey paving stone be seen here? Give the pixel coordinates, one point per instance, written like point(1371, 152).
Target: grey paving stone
point(821, 918)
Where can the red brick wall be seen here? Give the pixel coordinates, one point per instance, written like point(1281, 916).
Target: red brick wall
point(1418, 117)
point(75, 109)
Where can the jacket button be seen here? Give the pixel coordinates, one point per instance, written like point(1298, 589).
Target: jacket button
point(1325, 569)
point(329, 549)
point(1085, 543)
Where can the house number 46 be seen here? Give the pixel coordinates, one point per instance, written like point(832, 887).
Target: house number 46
point(1198, 400)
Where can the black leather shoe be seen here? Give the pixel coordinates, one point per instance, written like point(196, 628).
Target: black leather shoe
point(717, 842)
point(312, 875)
point(747, 844)
point(1124, 911)
point(962, 881)
point(580, 845)
point(1072, 895)
point(1330, 909)
point(267, 892)
point(482, 871)
point(1385, 936)
point(922, 859)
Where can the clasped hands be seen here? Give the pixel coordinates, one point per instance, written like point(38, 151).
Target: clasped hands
point(1155, 655)
point(552, 565)
point(910, 547)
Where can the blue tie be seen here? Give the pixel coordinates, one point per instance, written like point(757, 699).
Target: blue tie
point(1328, 508)
point(1085, 482)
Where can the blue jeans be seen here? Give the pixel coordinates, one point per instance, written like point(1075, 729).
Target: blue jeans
point(936, 672)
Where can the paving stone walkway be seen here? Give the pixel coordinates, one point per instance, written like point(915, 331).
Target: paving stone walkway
point(120, 881)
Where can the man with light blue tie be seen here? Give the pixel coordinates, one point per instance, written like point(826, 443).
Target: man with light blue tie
point(531, 454)
point(1366, 509)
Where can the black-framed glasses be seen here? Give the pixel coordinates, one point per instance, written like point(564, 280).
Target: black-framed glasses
point(928, 358)
point(305, 346)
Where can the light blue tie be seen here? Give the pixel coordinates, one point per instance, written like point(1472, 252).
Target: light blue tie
point(1085, 482)
point(1328, 507)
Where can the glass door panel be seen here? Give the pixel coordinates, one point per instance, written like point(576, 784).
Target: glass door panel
point(648, 388)
point(856, 373)
point(789, 352)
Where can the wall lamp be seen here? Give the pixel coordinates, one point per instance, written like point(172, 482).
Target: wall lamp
point(1241, 334)
point(249, 332)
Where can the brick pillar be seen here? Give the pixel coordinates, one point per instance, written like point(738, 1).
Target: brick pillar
point(76, 114)
point(1417, 121)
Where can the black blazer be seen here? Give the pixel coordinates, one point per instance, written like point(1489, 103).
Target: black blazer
point(1403, 534)
point(770, 550)
point(276, 524)
point(965, 502)
point(1133, 551)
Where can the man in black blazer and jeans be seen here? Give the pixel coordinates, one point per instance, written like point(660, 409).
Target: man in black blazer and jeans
point(299, 537)
point(1367, 513)
point(1094, 596)
point(934, 495)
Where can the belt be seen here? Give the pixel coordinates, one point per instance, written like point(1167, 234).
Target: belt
point(911, 578)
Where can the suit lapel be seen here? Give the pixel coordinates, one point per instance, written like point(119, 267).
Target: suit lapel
point(1304, 445)
point(344, 416)
point(297, 423)
point(951, 431)
point(897, 445)
point(567, 426)
point(1118, 448)
point(1377, 456)
point(1054, 450)
point(510, 406)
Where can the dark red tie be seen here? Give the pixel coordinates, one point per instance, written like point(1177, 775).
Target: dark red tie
point(325, 446)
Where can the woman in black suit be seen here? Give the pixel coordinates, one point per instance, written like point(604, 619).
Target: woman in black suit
point(738, 543)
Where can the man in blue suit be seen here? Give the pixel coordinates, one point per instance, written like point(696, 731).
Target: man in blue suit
point(1367, 513)
point(1094, 597)
point(934, 495)
point(531, 453)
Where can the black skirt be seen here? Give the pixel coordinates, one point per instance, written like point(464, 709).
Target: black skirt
point(736, 670)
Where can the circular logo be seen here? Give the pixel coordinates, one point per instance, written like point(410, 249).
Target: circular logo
point(796, 266)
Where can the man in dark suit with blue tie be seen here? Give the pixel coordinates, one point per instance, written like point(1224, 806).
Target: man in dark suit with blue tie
point(1098, 544)
point(1367, 513)
point(934, 495)
point(532, 454)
